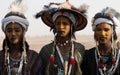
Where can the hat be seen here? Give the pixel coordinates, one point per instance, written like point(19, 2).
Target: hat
point(77, 16)
point(107, 15)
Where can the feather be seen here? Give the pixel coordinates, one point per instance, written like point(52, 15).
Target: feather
point(111, 12)
point(48, 8)
point(18, 6)
point(83, 9)
point(52, 7)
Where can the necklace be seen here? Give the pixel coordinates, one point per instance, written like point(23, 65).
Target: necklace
point(103, 70)
point(20, 65)
point(67, 70)
point(66, 62)
point(63, 44)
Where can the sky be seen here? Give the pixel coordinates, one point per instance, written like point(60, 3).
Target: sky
point(38, 28)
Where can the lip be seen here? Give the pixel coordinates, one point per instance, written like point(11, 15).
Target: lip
point(61, 32)
point(12, 39)
point(102, 38)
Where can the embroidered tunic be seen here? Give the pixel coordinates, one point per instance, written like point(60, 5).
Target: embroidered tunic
point(57, 68)
point(89, 65)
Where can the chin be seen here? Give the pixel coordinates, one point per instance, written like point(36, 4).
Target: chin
point(15, 42)
point(103, 42)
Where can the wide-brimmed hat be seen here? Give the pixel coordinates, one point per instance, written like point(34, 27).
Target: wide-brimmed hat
point(75, 14)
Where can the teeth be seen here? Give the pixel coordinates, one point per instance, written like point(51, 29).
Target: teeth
point(102, 38)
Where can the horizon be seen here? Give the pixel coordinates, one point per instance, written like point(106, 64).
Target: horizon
point(38, 28)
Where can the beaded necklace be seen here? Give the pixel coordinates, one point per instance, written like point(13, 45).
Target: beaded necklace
point(101, 66)
point(64, 63)
point(20, 65)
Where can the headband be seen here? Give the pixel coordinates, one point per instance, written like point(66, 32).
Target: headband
point(66, 14)
point(23, 22)
point(101, 20)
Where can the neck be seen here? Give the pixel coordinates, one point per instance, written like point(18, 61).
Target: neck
point(15, 51)
point(15, 48)
point(63, 39)
point(105, 49)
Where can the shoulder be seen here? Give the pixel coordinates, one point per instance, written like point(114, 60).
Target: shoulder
point(47, 47)
point(90, 52)
point(79, 48)
point(32, 52)
point(32, 55)
point(2, 53)
point(79, 45)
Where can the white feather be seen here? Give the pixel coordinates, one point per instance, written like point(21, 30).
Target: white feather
point(18, 6)
point(111, 12)
point(115, 16)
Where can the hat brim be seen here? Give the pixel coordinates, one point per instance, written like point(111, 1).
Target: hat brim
point(80, 19)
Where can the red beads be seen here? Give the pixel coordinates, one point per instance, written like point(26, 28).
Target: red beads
point(101, 63)
point(72, 61)
point(52, 59)
point(113, 62)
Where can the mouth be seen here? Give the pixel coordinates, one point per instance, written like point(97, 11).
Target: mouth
point(60, 32)
point(13, 39)
point(102, 38)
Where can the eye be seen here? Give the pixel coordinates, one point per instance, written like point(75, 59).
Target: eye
point(9, 30)
point(17, 30)
point(65, 23)
point(106, 29)
point(98, 29)
point(57, 23)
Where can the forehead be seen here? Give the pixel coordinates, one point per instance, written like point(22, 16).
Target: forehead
point(14, 24)
point(63, 18)
point(103, 25)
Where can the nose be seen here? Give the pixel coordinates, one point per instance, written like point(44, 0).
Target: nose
point(13, 32)
point(103, 33)
point(61, 26)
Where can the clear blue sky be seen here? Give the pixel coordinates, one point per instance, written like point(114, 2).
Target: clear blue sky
point(37, 27)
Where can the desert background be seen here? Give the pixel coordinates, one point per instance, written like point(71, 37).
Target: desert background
point(37, 42)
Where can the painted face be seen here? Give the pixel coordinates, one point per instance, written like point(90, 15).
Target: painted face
point(62, 26)
point(103, 33)
point(14, 33)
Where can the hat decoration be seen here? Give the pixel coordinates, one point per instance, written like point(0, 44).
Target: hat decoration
point(78, 16)
point(114, 17)
point(19, 7)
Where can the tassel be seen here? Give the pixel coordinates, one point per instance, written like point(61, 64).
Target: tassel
point(101, 63)
point(72, 61)
point(52, 59)
point(113, 62)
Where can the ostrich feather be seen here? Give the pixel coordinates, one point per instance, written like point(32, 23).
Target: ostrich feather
point(18, 6)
